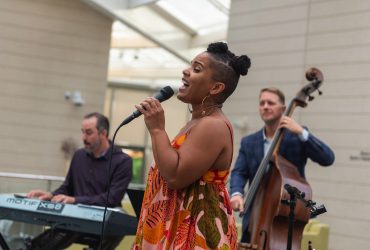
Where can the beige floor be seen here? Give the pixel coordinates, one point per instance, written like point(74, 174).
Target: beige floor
point(124, 245)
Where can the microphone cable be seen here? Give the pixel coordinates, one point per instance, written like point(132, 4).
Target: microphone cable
point(108, 187)
point(164, 94)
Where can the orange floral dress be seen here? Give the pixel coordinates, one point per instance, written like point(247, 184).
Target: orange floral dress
point(196, 217)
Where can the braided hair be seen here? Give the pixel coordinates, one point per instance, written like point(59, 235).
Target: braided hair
point(227, 67)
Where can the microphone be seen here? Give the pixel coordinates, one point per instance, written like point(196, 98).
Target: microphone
point(162, 95)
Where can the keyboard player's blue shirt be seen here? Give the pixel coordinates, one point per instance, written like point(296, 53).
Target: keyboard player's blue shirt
point(87, 178)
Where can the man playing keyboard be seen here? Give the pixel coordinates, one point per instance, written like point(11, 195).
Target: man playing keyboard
point(86, 181)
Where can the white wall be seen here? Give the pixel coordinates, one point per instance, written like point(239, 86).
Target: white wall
point(286, 37)
point(48, 47)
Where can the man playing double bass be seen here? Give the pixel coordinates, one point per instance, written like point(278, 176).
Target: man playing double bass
point(297, 146)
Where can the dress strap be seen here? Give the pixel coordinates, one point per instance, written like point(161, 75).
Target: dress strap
point(228, 124)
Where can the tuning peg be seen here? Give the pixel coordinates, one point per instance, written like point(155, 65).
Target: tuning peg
point(310, 98)
point(320, 92)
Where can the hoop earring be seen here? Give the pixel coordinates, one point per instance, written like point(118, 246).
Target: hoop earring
point(203, 110)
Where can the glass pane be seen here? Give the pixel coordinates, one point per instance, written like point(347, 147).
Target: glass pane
point(138, 164)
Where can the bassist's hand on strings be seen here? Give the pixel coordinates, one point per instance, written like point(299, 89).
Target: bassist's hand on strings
point(290, 124)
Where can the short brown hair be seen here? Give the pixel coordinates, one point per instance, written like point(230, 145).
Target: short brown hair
point(275, 91)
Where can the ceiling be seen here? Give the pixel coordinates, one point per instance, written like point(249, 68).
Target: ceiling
point(153, 40)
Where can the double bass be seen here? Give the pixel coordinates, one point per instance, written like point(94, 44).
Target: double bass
point(269, 219)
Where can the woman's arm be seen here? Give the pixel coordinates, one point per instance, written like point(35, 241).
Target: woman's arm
point(200, 151)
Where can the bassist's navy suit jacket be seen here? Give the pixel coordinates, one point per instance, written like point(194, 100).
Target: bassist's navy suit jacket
point(292, 148)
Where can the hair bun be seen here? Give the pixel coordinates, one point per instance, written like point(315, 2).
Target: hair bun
point(241, 64)
point(219, 47)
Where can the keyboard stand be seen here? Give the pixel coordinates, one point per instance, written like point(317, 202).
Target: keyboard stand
point(3, 244)
point(53, 239)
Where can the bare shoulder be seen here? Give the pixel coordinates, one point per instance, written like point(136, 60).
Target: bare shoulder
point(216, 125)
